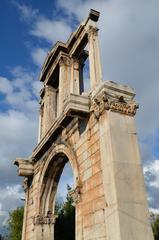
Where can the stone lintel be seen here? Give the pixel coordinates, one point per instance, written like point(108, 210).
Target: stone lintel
point(75, 106)
point(25, 167)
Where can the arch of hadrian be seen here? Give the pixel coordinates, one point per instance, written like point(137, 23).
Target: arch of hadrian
point(95, 131)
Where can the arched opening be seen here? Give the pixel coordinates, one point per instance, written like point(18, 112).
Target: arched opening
point(64, 227)
point(84, 69)
point(58, 167)
point(86, 76)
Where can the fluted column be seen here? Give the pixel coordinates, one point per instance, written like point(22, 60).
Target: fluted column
point(94, 57)
point(75, 84)
point(64, 81)
point(48, 110)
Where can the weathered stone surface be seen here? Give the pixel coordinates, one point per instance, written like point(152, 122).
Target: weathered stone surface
point(25, 167)
point(95, 132)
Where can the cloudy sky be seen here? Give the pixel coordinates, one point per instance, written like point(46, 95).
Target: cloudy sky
point(129, 41)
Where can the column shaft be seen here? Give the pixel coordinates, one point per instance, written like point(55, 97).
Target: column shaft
point(94, 57)
point(64, 81)
point(48, 110)
point(74, 84)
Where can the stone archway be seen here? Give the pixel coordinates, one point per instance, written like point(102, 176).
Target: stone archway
point(48, 183)
point(96, 132)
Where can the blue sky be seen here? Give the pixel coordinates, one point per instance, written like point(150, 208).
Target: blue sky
point(129, 41)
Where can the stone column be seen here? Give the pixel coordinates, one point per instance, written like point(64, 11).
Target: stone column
point(64, 81)
point(75, 84)
point(50, 107)
point(94, 57)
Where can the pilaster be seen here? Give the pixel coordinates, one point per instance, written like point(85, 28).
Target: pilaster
point(94, 57)
point(126, 214)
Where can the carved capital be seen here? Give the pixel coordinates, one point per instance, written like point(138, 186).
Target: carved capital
point(65, 61)
point(92, 31)
point(75, 194)
point(42, 219)
point(49, 88)
point(75, 60)
point(103, 102)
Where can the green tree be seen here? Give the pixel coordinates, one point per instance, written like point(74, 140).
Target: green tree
point(155, 226)
point(15, 223)
point(65, 223)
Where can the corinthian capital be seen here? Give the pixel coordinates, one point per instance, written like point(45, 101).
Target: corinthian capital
point(105, 102)
point(92, 31)
point(65, 60)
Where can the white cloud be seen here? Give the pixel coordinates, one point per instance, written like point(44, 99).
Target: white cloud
point(19, 124)
point(14, 126)
point(14, 191)
point(155, 211)
point(51, 30)
point(27, 12)
point(10, 198)
point(37, 85)
point(18, 138)
point(5, 85)
point(21, 76)
point(38, 56)
point(153, 169)
point(19, 132)
point(22, 91)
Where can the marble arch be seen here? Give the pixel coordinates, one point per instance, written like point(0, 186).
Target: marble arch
point(96, 132)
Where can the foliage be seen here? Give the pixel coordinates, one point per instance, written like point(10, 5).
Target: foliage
point(155, 226)
point(15, 223)
point(65, 223)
